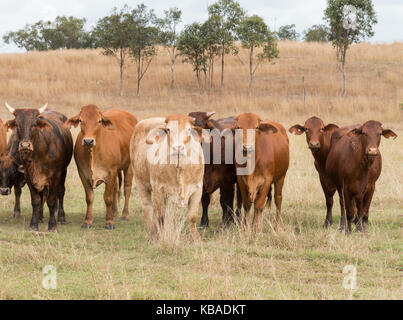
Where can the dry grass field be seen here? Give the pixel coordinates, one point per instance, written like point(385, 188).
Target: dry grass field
point(303, 261)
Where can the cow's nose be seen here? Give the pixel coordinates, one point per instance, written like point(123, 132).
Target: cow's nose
point(26, 146)
point(178, 149)
point(372, 151)
point(314, 145)
point(5, 191)
point(89, 142)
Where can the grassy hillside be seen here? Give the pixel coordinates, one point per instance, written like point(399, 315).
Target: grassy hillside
point(303, 261)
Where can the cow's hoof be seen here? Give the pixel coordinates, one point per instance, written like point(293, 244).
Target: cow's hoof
point(61, 221)
point(124, 218)
point(33, 228)
point(86, 226)
point(110, 226)
point(53, 229)
point(16, 215)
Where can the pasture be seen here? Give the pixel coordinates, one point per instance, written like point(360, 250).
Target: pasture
point(303, 261)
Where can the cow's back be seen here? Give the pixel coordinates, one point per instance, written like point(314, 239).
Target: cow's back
point(274, 150)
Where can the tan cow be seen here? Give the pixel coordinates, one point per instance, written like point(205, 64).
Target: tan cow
point(101, 154)
point(168, 164)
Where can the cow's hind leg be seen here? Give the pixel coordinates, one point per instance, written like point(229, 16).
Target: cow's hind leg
point(17, 205)
point(128, 181)
point(61, 215)
point(278, 199)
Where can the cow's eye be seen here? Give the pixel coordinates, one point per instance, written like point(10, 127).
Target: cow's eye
point(99, 121)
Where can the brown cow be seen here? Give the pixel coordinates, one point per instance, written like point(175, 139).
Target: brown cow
point(45, 148)
point(270, 154)
point(101, 152)
point(318, 138)
point(354, 164)
point(218, 175)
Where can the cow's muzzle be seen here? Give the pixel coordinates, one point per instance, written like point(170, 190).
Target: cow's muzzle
point(89, 142)
point(5, 191)
point(26, 146)
point(372, 152)
point(314, 145)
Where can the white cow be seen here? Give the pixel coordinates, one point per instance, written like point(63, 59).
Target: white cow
point(168, 164)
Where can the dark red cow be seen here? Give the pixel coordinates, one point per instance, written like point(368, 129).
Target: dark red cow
point(354, 165)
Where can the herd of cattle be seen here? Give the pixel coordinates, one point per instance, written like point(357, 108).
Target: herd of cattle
point(113, 148)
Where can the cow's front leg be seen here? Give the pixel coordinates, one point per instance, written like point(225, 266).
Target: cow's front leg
point(52, 205)
point(17, 205)
point(36, 202)
point(205, 204)
point(193, 208)
point(108, 198)
point(258, 208)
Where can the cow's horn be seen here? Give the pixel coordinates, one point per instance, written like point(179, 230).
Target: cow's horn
point(210, 114)
point(43, 108)
point(10, 108)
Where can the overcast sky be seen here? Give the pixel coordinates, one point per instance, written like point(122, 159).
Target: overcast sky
point(14, 14)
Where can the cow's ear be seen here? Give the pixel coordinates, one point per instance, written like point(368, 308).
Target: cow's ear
point(74, 121)
point(42, 124)
point(297, 129)
point(266, 127)
point(387, 133)
point(107, 124)
point(21, 168)
point(330, 126)
point(10, 124)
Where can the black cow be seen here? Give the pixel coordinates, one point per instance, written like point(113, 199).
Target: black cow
point(46, 149)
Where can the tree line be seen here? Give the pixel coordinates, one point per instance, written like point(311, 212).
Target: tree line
point(133, 35)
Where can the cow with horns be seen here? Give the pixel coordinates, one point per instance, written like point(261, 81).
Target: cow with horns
point(45, 148)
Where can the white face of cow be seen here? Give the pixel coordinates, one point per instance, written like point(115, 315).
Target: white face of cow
point(177, 141)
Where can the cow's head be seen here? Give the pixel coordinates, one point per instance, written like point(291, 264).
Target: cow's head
point(27, 123)
point(251, 121)
point(9, 171)
point(178, 132)
point(370, 134)
point(202, 119)
point(91, 121)
point(314, 129)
